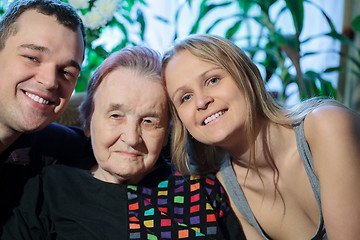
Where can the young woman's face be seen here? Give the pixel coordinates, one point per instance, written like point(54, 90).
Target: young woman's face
point(208, 102)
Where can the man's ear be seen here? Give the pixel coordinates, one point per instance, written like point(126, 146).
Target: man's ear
point(87, 130)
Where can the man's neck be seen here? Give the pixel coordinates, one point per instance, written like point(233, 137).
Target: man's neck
point(7, 137)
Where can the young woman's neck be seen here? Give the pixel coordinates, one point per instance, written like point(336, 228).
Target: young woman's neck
point(269, 140)
point(240, 146)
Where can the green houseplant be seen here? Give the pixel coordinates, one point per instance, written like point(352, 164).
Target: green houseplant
point(281, 51)
point(100, 15)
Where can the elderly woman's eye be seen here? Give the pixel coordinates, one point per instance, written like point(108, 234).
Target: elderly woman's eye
point(148, 121)
point(114, 115)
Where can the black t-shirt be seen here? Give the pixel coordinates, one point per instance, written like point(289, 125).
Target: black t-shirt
point(69, 203)
point(55, 144)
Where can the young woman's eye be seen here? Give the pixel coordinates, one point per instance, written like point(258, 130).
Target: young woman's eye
point(185, 98)
point(214, 80)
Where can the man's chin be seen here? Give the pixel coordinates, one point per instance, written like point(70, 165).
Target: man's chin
point(34, 127)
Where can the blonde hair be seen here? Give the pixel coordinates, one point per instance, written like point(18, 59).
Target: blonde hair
point(260, 103)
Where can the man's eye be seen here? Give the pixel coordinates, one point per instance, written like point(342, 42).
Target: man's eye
point(33, 59)
point(185, 98)
point(70, 74)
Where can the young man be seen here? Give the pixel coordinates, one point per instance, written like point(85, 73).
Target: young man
point(42, 46)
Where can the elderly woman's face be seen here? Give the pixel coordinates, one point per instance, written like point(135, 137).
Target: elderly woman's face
point(128, 127)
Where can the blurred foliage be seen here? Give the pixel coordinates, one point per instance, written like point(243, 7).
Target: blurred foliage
point(267, 38)
point(127, 15)
point(356, 26)
point(280, 51)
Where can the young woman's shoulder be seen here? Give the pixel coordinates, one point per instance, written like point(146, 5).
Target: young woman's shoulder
point(331, 119)
point(333, 133)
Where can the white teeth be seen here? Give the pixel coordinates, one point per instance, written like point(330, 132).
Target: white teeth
point(37, 98)
point(214, 116)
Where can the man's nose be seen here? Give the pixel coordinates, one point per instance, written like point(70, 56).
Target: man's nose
point(48, 76)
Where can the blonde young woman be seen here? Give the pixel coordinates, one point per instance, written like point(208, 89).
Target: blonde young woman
point(290, 173)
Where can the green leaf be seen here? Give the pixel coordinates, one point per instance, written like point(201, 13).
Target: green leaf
point(266, 4)
point(356, 23)
point(317, 85)
point(176, 20)
point(82, 82)
point(331, 25)
point(333, 69)
point(245, 6)
point(232, 30)
point(356, 73)
point(270, 63)
point(140, 19)
point(296, 8)
point(219, 20)
point(341, 38)
point(309, 85)
point(204, 10)
point(279, 39)
point(162, 19)
point(326, 88)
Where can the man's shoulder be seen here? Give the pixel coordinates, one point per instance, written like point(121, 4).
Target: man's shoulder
point(58, 131)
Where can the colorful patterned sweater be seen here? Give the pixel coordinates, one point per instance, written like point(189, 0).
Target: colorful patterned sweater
point(68, 203)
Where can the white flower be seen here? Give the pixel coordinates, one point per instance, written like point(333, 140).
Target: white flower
point(106, 8)
point(94, 20)
point(79, 4)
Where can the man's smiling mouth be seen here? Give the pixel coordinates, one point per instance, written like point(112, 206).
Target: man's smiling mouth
point(37, 98)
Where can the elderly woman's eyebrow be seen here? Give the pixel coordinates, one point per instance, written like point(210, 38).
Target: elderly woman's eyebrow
point(115, 106)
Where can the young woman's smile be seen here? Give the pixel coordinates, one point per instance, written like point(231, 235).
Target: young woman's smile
point(206, 98)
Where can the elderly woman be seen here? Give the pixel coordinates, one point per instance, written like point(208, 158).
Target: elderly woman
point(127, 118)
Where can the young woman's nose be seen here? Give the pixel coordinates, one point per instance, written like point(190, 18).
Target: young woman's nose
point(203, 101)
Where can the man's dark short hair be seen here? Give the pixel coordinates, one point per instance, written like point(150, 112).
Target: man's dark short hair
point(64, 13)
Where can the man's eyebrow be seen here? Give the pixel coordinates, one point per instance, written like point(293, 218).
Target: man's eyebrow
point(38, 48)
point(74, 64)
point(34, 47)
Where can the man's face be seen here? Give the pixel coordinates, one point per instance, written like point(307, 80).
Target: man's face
point(39, 66)
point(128, 126)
